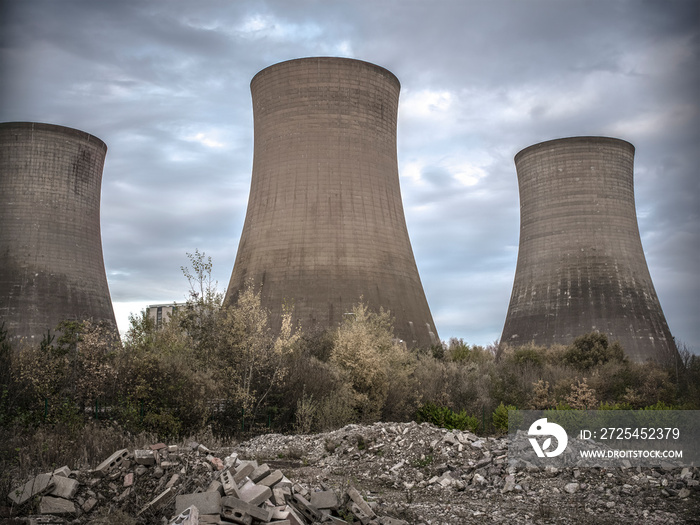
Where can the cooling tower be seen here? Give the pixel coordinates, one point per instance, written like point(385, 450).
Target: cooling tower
point(581, 266)
point(325, 225)
point(51, 266)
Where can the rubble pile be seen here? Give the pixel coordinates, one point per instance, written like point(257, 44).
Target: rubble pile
point(381, 474)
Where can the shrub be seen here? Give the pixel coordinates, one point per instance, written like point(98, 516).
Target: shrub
point(500, 417)
point(369, 359)
point(444, 417)
point(591, 350)
point(540, 395)
point(582, 397)
point(527, 355)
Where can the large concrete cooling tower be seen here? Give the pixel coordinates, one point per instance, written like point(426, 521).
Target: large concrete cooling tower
point(325, 225)
point(51, 266)
point(581, 266)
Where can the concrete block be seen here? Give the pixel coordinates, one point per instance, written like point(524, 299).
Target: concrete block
point(38, 485)
point(280, 512)
point(360, 502)
point(294, 517)
point(231, 460)
point(238, 518)
point(211, 518)
point(65, 487)
point(63, 471)
point(121, 497)
point(285, 483)
point(145, 457)
point(112, 462)
point(242, 472)
point(158, 446)
point(173, 480)
point(89, 504)
point(234, 507)
point(60, 506)
point(326, 499)
point(215, 486)
point(259, 473)
point(254, 494)
point(299, 489)
point(228, 484)
point(300, 503)
point(359, 514)
point(272, 479)
point(206, 502)
point(281, 495)
point(189, 516)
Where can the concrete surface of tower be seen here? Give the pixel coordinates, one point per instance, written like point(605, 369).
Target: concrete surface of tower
point(51, 265)
point(581, 266)
point(325, 224)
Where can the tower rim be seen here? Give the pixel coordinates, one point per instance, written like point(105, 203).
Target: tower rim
point(583, 138)
point(55, 128)
point(328, 59)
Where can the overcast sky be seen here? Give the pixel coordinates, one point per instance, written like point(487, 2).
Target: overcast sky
point(166, 85)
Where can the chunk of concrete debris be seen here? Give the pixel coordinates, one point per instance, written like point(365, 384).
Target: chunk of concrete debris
point(509, 483)
point(65, 487)
point(63, 471)
point(189, 516)
point(280, 495)
point(360, 502)
point(52, 505)
point(272, 479)
point(259, 473)
point(215, 486)
point(231, 460)
point(206, 502)
point(89, 504)
point(242, 471)
point(571, 488)
point(326, 499)
point(174, 479)
point(38, 485)
point(254, 494)
point(145, 457)
point(112, 462)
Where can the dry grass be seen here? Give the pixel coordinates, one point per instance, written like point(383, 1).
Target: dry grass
point(27, 451)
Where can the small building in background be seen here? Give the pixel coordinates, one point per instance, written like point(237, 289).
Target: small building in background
point(161, 313)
